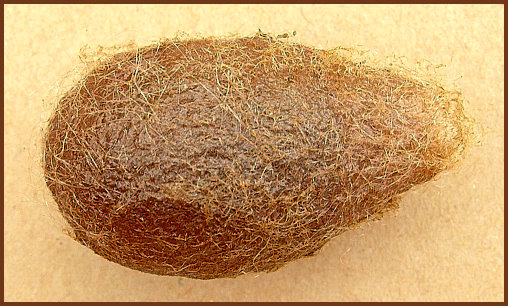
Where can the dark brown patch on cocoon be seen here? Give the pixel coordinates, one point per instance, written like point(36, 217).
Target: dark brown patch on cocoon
point(209, 158)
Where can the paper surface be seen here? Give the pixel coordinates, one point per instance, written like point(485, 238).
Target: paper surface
point(446, 243)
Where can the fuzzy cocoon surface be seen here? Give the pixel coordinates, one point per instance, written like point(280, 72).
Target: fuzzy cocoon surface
point(211, 157)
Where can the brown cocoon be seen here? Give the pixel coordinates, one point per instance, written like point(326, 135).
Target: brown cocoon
point(210, 158)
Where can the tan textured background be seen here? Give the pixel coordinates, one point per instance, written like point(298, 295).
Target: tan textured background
point(445, 243)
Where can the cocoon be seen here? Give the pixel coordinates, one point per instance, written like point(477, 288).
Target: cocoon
point(212, 157)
